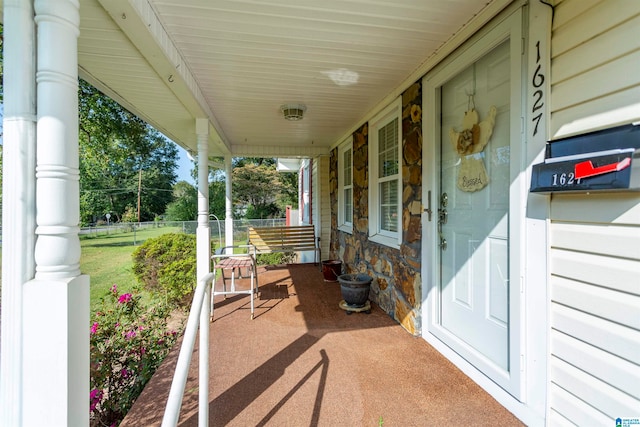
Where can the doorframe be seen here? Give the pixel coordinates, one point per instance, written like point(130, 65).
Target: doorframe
point(509, 28)
point(532, 406)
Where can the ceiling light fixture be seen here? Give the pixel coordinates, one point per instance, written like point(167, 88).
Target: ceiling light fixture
point(293, 112)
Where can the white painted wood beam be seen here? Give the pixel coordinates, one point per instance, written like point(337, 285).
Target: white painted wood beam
point(246, 150)
point(18, 197)
point(56, 302)
point(203, 265)
point(203, 232)
point(228, 211)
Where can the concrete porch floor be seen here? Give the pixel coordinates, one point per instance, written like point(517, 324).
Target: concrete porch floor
point(304, 362)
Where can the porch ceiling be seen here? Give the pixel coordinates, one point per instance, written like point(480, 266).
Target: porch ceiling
point(237, 61)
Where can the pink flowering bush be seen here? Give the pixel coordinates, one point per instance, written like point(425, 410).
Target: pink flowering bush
point(124, 298)
point(128, 343)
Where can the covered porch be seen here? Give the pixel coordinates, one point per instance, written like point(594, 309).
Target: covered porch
point(219, 78)
point(303, 361)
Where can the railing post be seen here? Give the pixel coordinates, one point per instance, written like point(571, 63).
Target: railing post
point(203, 382)
point(203, 245)
point(228, 222)
point(198, 316)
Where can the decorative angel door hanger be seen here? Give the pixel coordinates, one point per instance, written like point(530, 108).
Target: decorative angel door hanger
point(469, 143)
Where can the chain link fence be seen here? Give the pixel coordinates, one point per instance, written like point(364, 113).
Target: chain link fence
point(240, 227)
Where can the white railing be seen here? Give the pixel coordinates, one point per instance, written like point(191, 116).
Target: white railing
point(199, 309)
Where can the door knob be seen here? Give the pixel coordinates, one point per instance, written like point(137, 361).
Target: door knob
point(443, 216)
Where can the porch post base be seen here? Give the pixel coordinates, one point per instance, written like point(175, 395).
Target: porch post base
point(56, 352)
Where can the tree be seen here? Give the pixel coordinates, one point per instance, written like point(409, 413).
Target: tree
point(289, 193)
point(1, 174)
point(218, 197)
point(1, 106)
point(257, 189)
point(217, 188)
point(239, 162)
point(122, 160)
point(185, 204)
point(116, 149)
point(288, 181)
point(1, 64)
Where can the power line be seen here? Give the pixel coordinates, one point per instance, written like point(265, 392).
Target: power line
point(106, 189)
point(124, 190)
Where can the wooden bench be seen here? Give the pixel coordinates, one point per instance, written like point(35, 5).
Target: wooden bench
point(298, 238)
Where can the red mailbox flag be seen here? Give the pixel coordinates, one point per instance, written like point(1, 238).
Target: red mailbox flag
point(586, 169)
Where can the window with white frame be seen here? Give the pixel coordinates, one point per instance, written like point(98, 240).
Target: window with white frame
point(385, 176)
point(345, 186)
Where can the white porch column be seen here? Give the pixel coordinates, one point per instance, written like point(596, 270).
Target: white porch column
point(203, 263)
point(228, 212)
point(56, 302)
point(19, 192)
point(203, 233)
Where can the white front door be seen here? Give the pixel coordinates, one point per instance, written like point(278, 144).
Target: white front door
point(474, 223)
point(473, 305)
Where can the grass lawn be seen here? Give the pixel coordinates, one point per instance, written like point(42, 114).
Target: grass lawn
point(107, 259)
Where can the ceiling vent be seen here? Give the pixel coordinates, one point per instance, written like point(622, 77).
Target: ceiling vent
point(293, 112)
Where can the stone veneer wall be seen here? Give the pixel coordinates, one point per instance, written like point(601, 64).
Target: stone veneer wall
point(397, 284)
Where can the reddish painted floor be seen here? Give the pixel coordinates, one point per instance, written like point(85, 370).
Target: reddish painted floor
point(304, 362)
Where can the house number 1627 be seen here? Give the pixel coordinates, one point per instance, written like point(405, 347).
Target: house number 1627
point(538, 95)
point(560, 180)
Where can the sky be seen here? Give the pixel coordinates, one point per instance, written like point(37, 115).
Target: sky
point(184, 166)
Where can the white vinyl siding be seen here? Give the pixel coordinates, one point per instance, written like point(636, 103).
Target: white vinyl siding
point(320, 205)
point(385, 176)
point(595, 307)
point(594, 341)
point(595, 74)
point(321, 202)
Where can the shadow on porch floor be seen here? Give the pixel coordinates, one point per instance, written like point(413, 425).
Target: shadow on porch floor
point(303, 362)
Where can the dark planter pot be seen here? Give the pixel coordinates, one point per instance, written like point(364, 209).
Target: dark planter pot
point(331, 269)
point(355, 288)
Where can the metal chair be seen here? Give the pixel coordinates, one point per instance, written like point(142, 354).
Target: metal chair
point(226, 260)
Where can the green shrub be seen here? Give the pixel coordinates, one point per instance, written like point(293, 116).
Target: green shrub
point(167, 265)
point(275, 258)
